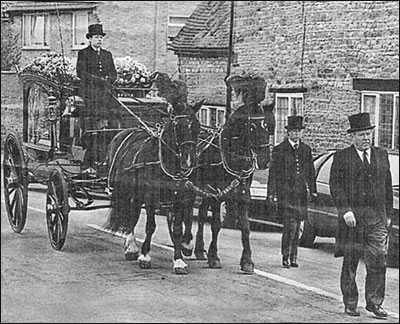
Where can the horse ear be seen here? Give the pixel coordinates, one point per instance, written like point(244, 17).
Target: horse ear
point(198, 105)
point(269, 106)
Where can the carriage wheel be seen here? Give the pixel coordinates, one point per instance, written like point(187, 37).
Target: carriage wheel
point(57, 209)
point(15, 180)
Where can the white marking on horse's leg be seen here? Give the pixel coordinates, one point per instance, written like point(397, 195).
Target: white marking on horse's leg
point(180, 267)
point(131, 250)
point(187, 249)
point(145, 261)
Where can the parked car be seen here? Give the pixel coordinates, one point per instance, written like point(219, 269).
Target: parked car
point(322, 215)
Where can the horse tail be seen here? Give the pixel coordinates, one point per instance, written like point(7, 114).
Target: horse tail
point(120, 218)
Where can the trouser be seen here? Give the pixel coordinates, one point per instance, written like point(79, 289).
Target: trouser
point(370, 242)
point(290, 237)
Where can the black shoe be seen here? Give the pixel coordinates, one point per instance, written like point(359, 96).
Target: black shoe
point(377, 310)
point(293, 262)
point(351, 311)
point(285, 262)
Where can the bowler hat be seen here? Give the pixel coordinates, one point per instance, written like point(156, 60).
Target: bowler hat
point(95, 29)
point(359, 122)
point(295, 122)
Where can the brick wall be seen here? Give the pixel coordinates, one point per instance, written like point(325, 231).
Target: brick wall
point(142, 33)
point(204, 78)
point(343, 40)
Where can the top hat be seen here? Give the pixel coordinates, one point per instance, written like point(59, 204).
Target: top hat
point(95, 29)
point(295, 122)
point(359, 122)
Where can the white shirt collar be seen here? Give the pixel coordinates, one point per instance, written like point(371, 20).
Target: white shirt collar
point(293, 143)
point(96, 50)
point(360, 154)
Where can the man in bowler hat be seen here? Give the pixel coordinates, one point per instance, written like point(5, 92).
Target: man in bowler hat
point(95, 67)
point(361, 187)
point(291, 172)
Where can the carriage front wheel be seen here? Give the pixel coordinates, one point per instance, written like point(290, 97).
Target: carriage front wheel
point(15, 180)
point(57, 209)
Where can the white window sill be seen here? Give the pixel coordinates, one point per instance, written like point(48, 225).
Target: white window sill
point(36, 48)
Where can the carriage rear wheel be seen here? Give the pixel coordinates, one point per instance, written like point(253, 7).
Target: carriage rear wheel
point(15, 180)
point(57, 209)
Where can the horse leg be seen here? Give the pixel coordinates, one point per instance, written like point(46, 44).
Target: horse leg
point(213, 259)
point(246, 263)
point(131, 250)
point(145, 259)
point(199, 250)
point(179, 266)
point(187, 245)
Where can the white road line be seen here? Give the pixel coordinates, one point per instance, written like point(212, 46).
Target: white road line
point(119, 234)
point(256, 271)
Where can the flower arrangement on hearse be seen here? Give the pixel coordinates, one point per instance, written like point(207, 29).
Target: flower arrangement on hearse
point(133, 78)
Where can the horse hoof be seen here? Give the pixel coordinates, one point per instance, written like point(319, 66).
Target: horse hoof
point(247, 268)
point(200, 255)
point(214, 264)
point(131, 256)
point(144, 264)
point(187, 252)
point(181, 271)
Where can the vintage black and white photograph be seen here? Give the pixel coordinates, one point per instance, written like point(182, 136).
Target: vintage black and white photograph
point(199, 161)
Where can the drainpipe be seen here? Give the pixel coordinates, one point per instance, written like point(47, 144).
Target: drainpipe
point(228, 68)
point(155, 36)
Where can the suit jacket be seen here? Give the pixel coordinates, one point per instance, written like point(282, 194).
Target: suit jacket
point(345, 183)
point(289, 187)
point(92, 69)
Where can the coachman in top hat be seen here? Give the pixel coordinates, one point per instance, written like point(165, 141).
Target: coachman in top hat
point(95, 67)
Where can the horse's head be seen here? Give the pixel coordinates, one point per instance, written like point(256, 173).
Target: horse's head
point(259, 120)
point(181, 134)
point(183, 129)
point(261, 126)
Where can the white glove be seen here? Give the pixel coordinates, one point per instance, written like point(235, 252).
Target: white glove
point(349, 219)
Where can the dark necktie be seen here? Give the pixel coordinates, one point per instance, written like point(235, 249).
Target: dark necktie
point(365, 159)
point(296, 153)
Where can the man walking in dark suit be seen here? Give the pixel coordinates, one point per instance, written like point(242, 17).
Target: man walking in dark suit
point(95, 67)
point(291, 171)
point(361, 187)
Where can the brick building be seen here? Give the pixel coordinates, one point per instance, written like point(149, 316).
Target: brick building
point(140, 29)
point(324, 60)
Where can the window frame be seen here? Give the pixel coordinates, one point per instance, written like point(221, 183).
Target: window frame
point(207, 109)
point(46, 30)
point(74, 15)
point(290, 96)
point(377, 109)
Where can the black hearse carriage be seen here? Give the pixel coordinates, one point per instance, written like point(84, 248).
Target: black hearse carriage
point(51, 151)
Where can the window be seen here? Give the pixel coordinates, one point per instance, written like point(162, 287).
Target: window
point(36, 30)
point(175, 24)
point(80, 26)
point(287, 104)
point(383, 108)
point(212, 116)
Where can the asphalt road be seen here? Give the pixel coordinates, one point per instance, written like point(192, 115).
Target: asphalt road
point(89, 280)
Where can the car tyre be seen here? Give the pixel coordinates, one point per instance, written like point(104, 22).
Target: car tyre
point(306, 234)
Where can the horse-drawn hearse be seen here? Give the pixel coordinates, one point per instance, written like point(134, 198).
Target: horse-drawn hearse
point(160, 157)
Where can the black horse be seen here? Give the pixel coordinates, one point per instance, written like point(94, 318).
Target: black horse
point(226, 163)
point(151, 166)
